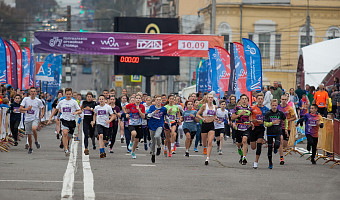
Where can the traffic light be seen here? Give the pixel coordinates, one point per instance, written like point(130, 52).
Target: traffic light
point(23, 39)
point(82, 12)
point(81, 30)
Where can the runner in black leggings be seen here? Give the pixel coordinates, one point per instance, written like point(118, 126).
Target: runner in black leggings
point(88, 107)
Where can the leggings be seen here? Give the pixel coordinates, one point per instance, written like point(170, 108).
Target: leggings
point(198, 135)
point(113, 134)
point(155, 137)
point(145, 134)
point(14, 129)
point(270, 140)
point(127, 137)
point(312, 141)
point(88, 133)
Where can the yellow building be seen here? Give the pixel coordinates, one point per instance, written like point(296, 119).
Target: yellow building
point(278, 27)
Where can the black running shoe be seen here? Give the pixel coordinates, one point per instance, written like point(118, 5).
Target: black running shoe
point(121, 140)
point(187, 154)
point(30, 151)
point(206, 162)
point(37, 145)
point(153, 158)
point(58, 136)
point(158, 151)
point(94, 147)
point(313, 162)
point(240, 161)
point(244, 161)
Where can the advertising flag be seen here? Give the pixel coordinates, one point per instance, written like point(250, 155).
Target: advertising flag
point(32, 69)
point(199, 65)
point(28, 51)
point(219, 75)
point(19, 62)
point(209, 74)
point(55, 63)
point(8, 63)
point(232, 79)
point(3, 63)
point(240, 70)
point(25, 70)
point(252, 56)
point(14, 66)
point(225, 57)
point(203, 77)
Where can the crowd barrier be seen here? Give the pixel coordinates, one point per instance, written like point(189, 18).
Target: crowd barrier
point(292, 141)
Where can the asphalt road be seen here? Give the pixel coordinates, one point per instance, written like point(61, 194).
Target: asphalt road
point(48, 174)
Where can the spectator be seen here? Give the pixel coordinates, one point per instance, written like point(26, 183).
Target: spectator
point(307, 88)
point(336, 83)
point(265, 89)
point(268, 97)
point(294, 98)
point(321, 99)
point(311, 93)
point(299, 91)
point(335, 95)
point(304, 105)
point(277, 92)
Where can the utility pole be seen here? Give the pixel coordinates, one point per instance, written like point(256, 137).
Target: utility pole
point(213, 17)
point(308, 25)
point(68, 70)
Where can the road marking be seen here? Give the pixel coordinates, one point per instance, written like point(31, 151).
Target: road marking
point(142, 165)
point(88, 175)
point(36, 181)
point(68, 180)
point(196, 155)
point(129, 154)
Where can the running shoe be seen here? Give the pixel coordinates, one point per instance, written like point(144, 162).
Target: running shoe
point(104, 155)
point(206, 162)
point(101, 155)
point(240, 152)
point(130, 146)
point(282, 161)
point(121, 140)
point(15, 143)
point(67, 153)
point(313, 162)
point(195, 149)
point(158, 151)
point(106, 144)
point(61, 145)
point(170, 155)
point(110, 150)
point(187, 154)
point(255, 165)
point(220, 152)
point(86, 151)
point(145, 146)
point(133, 155)
point(275, 150)
point(244, 161)
point(153, 158)
point(37, 145)
point(225, 138)
point(200, 144)
point(177, 144)
point(270, 166)
point(173, 151)
point(128, 151)
point(58, 136)
point(30, 151)
point(205, 151)
point(240, 161)
point(94, 148)
point(165, 153)
point(141, 140)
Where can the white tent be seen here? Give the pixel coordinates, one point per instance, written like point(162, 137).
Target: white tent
point(319, 59)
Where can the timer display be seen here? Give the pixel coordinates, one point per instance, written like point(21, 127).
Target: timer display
point(128, 59)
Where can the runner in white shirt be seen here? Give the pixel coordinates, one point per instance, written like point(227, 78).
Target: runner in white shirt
point(103, 116)
point(68, 108)
point(32, 106)
point(221, 115)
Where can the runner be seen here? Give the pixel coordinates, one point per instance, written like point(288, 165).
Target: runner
point(273, 120)
point(313, 121)
point(156, 113)
point(123, 102)
point(207, 114)
point(189, 125)
point(243, 117)
point(198, 132)
point(221, 115)
point(256, 135)
point(102, 117)
point(114, 124)
point(290, 116)
point(231, 109)
point(56, 116)
point(15, 118)
point(80, 102)
point(146, 133)
point(170, 129)
point(88, 108)
point(69, 108)
point(32, 106)
point(135, 114)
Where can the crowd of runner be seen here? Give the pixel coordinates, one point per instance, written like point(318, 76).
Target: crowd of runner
point(157, 123)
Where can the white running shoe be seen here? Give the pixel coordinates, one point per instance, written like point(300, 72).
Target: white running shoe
point(255, 165)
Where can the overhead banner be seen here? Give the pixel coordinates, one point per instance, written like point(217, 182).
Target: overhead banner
point(8, 63)
point(3, 63)
point(252, 56)
point(19, 62)
point(125, 44)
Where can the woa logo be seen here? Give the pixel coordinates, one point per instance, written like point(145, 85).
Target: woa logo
point(110, 41)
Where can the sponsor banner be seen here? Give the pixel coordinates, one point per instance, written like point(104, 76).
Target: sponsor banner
point(199, 65)
point(125, 44)
point(14, 66)
point(32, 70)
point(55, 64)
point(3, 63)
point(254, 65)
point(19, 62)
point(8, 63)
point(240, 71)
point(45, 71)
point(203, 77)
point(25, 70)
point(225, 58)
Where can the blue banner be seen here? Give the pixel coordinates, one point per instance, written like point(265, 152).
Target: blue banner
point(218, 71)
point(31, 68)
point(3, 63)
point(197, 73)
point(25, 70)
point(45, 72)
point(203, 77)
point(252, 55)
point(238, 71)
point(55, 64)
point(209, 74)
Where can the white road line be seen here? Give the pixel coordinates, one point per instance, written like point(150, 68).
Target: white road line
point(36, 181)
point(142, 165)
point(68, 180)
point(88, 175)
point(129, 154)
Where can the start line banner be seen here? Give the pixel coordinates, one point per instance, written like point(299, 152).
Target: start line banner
point(125, 44)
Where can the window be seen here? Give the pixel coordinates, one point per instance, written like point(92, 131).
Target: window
point(226, 42)
point(250, 36)
point(225, 30)
point(264, 44)
point(303, 40)
point(277, 46)
point(332, 32)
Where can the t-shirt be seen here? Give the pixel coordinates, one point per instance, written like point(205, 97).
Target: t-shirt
point(303, 105)
point(36, 104)
point(272, 116)
point(221, 116)
point(189, 121)
point(88, 114)
point(173, 114)
point(15, 115)
point(311, 127)
point(157, 120)
point(135, 118)
point(289, 113)
point(144, 121)
point(103, 114)
point(67, 108)
point(243, 123)
point(259, 113)
point(320, 98)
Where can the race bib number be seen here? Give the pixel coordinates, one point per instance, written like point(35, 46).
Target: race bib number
point(242, 127)
point(220, 119)
point(274, 119)
point(101, 112)
point(135, 116)
point(87, 112)
point(126, 123)
point(158, 115)
point(259, 117)
point(312, 123)
point(188, 118)
point(67, 109)
point(16, 110)
point(321, 104)
point(172, 117)
point(31, 112)
point(211, 112)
